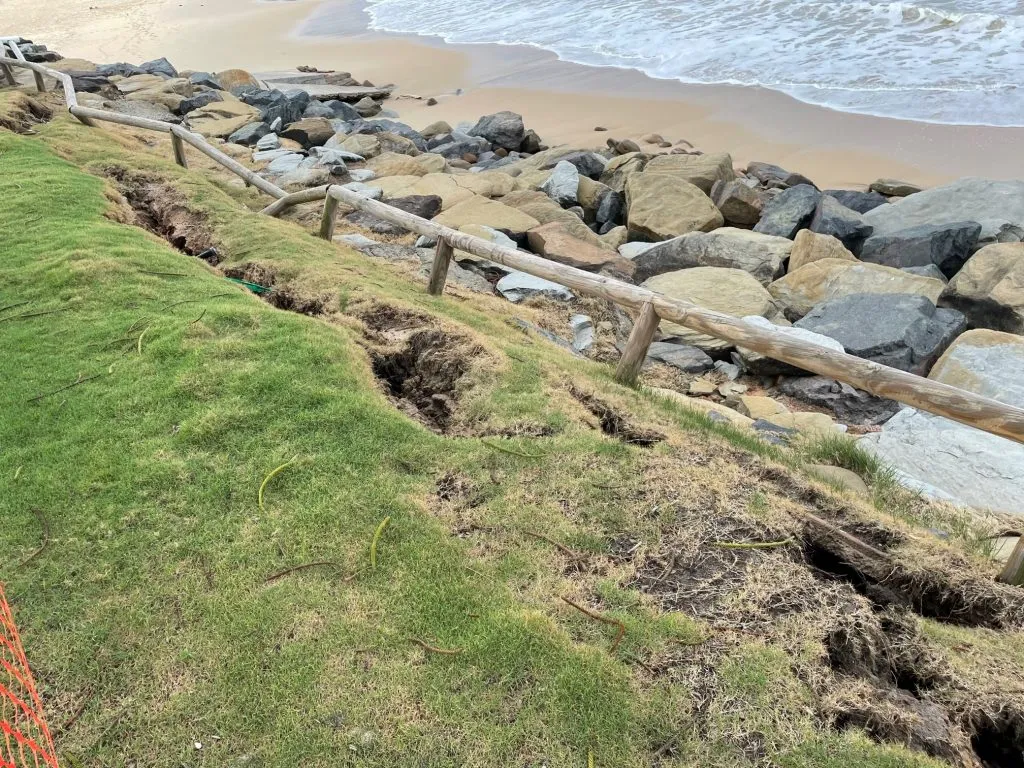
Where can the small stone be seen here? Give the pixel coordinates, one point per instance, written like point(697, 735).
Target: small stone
point(652, 138)
point(431, 102)
point(702, 387)
point(583, 332)
point(517, 286)
point(600, 128)
point(894, 188)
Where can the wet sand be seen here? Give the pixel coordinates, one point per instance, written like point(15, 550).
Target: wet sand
point(563, 102)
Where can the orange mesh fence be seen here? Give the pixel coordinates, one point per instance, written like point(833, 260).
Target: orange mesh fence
point(24, 738)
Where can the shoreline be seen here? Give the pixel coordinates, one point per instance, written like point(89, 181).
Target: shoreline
point(562, 101)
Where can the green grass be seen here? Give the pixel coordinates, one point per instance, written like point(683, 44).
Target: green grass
point(150, 607)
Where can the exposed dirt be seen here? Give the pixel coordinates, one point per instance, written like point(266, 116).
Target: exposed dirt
point(163, 210)
point(422, 367)
point(615, 424)
point(23, 113)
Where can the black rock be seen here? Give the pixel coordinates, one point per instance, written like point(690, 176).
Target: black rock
point(121, 69)
point(197, 101)
point(204, 79)
point(159, 67)
point(89, 82)
point(789, 212)
point(462, 145)
point(684, 357)
point(342, 110)
point(288, 106)
point(850, 406)
point(249, 134)
point(904, 331)
point(610, 208)
point(502, 129)
point(861, 202)
point(846, 225)
point(588, 164)
point(947, 246)
point(767, 173)
point(318, 109)
point(531, 143)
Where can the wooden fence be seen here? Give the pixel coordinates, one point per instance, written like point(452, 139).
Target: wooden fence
point(935, 397)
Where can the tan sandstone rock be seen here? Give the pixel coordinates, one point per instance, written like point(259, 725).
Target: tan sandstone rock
point(490, 213)
point(700, 170)
point(662, 206)
point(222, 118)
point(553, 241)
point(810, 246)
point(989, 289)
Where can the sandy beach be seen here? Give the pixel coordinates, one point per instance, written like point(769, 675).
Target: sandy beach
point(562, 101)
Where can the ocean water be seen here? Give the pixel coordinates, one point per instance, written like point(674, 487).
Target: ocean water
point(950, 61)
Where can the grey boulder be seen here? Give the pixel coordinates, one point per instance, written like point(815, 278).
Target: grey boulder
point(789, 212)
point(517, 286)
point(761, 256)
point(861, 202)
point(562, 185)
point(846, 225)
point(589, 164)
point(947, 246)
point(502, 129)
point(740, 204)
point(249, 135)
point(773, 175)
point(197, 101)
point(682, 356)
point(899, 330)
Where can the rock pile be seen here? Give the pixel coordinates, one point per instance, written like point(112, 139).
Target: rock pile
point(894, 274)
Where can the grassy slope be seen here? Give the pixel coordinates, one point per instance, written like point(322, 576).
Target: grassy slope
point(149, 604)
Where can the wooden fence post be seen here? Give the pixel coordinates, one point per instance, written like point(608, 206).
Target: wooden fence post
point(1013, 571)
point(439, 269)
point(9, 74)
point(329, 217)
point(640, 339)
point(179, 150)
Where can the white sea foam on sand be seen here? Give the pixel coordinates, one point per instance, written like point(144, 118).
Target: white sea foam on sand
point(952, 61)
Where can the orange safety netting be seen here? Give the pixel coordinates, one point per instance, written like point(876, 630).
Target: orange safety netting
point(24, 738)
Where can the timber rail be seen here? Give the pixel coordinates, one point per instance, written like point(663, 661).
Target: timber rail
point(935, 397)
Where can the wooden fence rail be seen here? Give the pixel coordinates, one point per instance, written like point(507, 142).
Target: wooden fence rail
point(935, 397)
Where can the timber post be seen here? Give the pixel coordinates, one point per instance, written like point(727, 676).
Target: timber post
point(329, 218)
point(439, 269)
point(635, 353)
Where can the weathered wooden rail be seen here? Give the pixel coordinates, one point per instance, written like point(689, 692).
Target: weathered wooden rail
point(935, 397)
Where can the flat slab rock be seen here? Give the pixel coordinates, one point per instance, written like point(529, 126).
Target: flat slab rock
point(948, 460)
point(349, 93)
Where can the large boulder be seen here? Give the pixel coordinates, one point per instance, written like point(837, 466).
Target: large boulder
point(424, 206)
point(394, 164)
point(662, 206)
point(899, 330)
point(810, 246)
point(553, 241)
point(760, 255)
point(222, 118)
point(833, 218)
point(490, 213)
point(563, 184)
point(589, 164)
point(773, 175)
point(309, 131)
point(545, 210)
point(503, 129)
point(740, 204)
point(948, 460)
point(363, 144)
point(199, 100)
point(236, 79)
point(850, 406)
point(861, 202)
point(274, 104)
point(997, 205)
point(458, 146)
point(142, 109)
point(800, 290)
point(700, 170)
point(789, 212)
point(731, 291)
point(894, 187)
point(249, 135)
point(947, 246)
point(989, 289)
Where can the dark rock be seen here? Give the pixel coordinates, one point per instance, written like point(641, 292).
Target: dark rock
point(833, 218)
point(611, 209)
point(289, 107)
point(431, 102)
point(121, 69)
point(90, 82)
point(588, 164)
point(740, 204)
point(249, 134)
point(204, 79)
point(894, 187)
point(773, 433)
point(309, 132)
point(850, 406)
point(766, 173)
point(896, 329)
point(159, 67)
point(199, 100)
point(861, 202)
point(947, 246)
point(623, 147)
point(461, 145)
point(531, 142)
point(682, 356)
point(318, 109)
point(929, 271)
point(502, 129)
point(342, 110)
point(789, 212)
